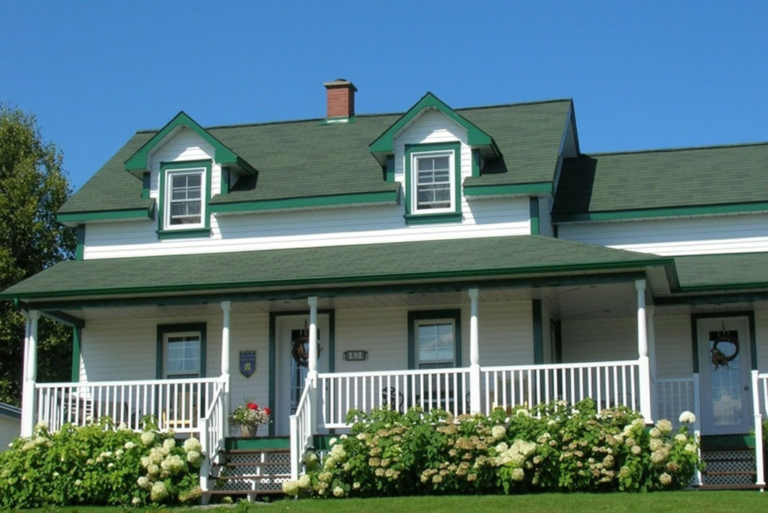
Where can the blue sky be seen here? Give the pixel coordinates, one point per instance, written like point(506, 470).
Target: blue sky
point(642, 74)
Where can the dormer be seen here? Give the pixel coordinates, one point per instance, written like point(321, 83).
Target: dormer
point(182, 167)
point(431, 149)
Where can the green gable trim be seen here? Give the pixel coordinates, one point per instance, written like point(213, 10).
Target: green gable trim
point(80, 236)
point(421, 315)
point(105, 215)
point(731, 208)
point(410, 150)
point(475, 163)
point(475, 136)
point(76, 334)
point(534, 215)
point(226, 176)
point(6, 410)
point(164, 329)
point(389, 171)
point(538, 332)
point(180, 233)
point(307, 202)
point(137, 163)
point(522, 189)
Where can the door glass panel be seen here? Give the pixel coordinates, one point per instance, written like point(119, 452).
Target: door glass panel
point(727, 406)
point(300, 364)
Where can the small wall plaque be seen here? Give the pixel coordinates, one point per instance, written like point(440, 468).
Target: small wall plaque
point(355, 356)
point(247, 363)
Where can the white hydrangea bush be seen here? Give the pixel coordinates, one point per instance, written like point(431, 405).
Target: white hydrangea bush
point(553, 447)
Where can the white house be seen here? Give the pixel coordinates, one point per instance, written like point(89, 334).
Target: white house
point(461, 258)
point(10, 422)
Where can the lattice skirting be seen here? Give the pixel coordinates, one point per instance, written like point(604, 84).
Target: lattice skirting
point(270, 478)
point(729, 461)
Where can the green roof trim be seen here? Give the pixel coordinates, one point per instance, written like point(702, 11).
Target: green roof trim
point(507, 190)
point(137, 163)
point(337, 200)
point(700, 210)
point(724, 272)
point(340, 266)
point(385, 143)
point(106, 215)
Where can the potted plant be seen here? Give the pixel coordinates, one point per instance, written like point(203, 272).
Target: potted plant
point(248, 416)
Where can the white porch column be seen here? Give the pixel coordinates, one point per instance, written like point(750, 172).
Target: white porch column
point(225, 359)
point(650, 311)
point(642, 349)
point(29, 394)
point(474, 354)
point(312, 363)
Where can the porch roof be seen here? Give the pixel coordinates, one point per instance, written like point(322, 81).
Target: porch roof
point(740, 271)
point(336, 266)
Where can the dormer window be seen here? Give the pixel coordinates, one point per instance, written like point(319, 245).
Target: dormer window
point(185, 188)
point(185, 201)
point(433, 183)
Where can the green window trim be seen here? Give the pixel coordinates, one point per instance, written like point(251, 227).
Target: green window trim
point(197, 231)
point(166, 329)
point(77, 334)
point(412, 150)
point(538, 332)
point(423, 315)
point(80, 235)
point(534, 215)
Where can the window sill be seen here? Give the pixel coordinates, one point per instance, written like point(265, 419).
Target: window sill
point(449, 217)
point(192, 233)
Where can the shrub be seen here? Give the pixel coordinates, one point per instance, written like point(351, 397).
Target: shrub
point(555, 447)
point(99, 465)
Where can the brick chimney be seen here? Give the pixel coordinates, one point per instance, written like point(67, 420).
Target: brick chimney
point(341, 99)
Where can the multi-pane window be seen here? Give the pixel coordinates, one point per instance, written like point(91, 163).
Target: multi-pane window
point(182, 355)
point(185, 198)
point(436, 343)
point(433, 182)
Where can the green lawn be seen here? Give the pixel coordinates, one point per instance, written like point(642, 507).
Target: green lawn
point(676, 502)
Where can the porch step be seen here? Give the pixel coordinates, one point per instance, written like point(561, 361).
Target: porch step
point(251, 472)
point(705, 488)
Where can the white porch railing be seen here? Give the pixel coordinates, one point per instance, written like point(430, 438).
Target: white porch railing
point(760, 402)
point(212, 433)
point(400, 390)
point(301, 432)
point(674, 396)
point(610, 384)
point(176, 404)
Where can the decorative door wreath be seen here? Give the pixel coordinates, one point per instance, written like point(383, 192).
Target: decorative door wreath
point(722, 355)
point(300, 349)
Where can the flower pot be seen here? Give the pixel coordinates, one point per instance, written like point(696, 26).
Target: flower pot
point(248, 430)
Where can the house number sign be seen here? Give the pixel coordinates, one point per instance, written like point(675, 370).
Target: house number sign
point(355, 356)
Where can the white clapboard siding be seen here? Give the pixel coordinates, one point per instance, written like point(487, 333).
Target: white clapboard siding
point(247, 333)
point(183, 145)
point(505, 333)
point(306, 229)
point(674, 356)
point(595, 340)
point(683, 236)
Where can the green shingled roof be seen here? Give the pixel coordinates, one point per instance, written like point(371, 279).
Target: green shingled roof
point(309, 158)
point(665, 182)
point(722, 272)
point(330, 266)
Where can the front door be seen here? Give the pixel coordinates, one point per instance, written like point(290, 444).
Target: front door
point(292, 337)
point(724, 366)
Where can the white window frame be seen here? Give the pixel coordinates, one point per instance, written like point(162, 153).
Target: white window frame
point(166, 354)
point(434, 364)
point(168, 191)
point(414, 192)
